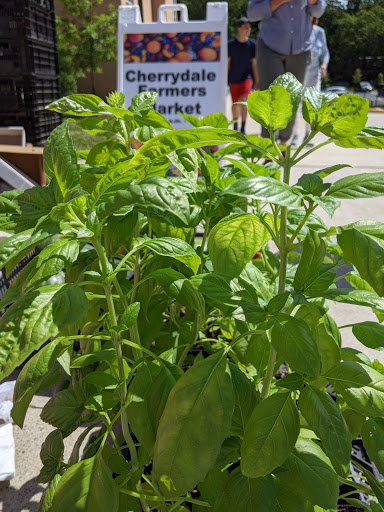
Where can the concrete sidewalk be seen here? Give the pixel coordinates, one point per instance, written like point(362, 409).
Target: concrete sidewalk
point(23, 494)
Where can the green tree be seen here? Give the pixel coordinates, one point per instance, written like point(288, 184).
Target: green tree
point(356, 78)
point(85, 38)
point(354, 26)
point(197, 11)
point(380, 80)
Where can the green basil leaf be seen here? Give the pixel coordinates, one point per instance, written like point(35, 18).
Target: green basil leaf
point(271, 108)
point(361, 386)
point(288, 500)
point(323, 173)
point(375, 485)
point(342, 117)
point(358, 297)
point(31, 377)
point(325, 333)
point(246, 494)
point(60, 161)
point(373, 439)
point(233, 242)
point(50, 309)
point(325, 419)
point(108, 355)
point(293, 340)
point(45, 504)
point(63, 411)
point(129, 317)
point(358, 186)
point(14, 248)
point(147, 397)
point(270, 435)
point(371, 334)
point(359, 504)
point(245, 399)
point(163, 229)
point(253, 277)
point(157, 196)
point(253, 350)
point(87, 486)
point(361, 141)
point(173, 248)
point(161, 146)
point(186, 161)
point(51, 455)
point(264, 189)
point(213, 485)
point(292, 86)
point(178, 287)
point(52, 259)
point(362, 244)
point(292, 381)
point(229, 452)
point(106, 154)
point(80, 105)
point(143, 102)
point(310, 475)
point(201, 401)
point(312, 257)
point(295, 216)
point(119, 231)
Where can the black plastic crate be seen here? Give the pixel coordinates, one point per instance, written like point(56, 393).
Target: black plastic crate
point(27, 57)
point(38, 124)
point(20, 95)
point(27, 20)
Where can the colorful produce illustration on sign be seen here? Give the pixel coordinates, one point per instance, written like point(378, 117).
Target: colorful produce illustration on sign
point(172, 47)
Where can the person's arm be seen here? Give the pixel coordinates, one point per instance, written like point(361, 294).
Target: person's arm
point(324, 57)
point(259, 10)
point(316, 7)
point(255, 75)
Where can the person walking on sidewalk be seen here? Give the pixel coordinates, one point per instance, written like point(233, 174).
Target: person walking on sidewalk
point(242, 70)
point(319, 62)
point(284, 42)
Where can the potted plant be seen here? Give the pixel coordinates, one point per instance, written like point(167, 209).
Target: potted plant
point(179, 340)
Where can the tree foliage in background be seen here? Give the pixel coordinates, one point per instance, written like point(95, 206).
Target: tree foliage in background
point(355, 35)
point(85, 38)
point(197, 11)
point(356, 79)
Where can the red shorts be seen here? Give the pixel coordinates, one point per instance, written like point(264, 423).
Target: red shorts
point(241, 90)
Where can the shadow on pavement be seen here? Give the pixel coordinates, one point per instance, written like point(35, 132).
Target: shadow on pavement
point(17, 500)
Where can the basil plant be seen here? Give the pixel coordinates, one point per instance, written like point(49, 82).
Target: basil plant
point(164, 346)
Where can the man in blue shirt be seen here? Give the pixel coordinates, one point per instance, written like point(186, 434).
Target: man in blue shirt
point(242, 71)
point(285, 41)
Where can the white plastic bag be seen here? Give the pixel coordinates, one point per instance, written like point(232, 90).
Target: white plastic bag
point(7, 444)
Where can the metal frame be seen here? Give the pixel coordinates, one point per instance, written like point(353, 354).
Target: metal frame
point(14, 177)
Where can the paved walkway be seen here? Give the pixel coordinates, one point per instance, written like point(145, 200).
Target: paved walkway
point(23, 494)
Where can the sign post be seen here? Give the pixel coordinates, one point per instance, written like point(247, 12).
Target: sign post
point(184, 61)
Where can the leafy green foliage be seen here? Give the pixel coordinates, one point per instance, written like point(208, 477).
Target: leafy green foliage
point(180, 339)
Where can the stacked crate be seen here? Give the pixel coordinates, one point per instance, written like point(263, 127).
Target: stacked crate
point(29, 75)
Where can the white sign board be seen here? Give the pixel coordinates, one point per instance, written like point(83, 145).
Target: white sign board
point(185, 62)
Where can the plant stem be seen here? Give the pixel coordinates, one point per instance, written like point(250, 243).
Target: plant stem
point(120, 364)
point(205, 235)
point(282, 274)
point(312, 150)
point(190, 345)
point(134, 331)
point(297, 230)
